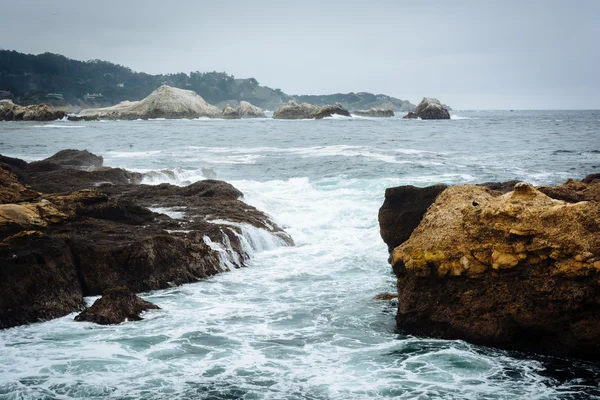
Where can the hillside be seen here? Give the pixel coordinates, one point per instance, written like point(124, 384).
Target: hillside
point(62, 82)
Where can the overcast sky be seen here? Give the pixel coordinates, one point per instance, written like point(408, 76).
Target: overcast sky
point(469, 54)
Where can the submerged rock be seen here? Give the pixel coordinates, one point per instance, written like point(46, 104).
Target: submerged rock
point(294, 110)
point(430, 108)
point(60, 245)
point(115, 306)
point(517, 270)
point(374, 112)
point(164, 102)
point(410, 115)
point(10, 111)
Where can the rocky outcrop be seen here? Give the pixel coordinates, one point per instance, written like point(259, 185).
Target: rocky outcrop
point(293, 110)
point(517, 270)
point(116, 305)
point(430, 108)
point(75, 158)
point(58, 246)
point(244, 110)
point(410, 115)
point(164, 102)
point(10, 111)
point(374, 112)
point(403, 210)
point(247, 110)
point(230, 112)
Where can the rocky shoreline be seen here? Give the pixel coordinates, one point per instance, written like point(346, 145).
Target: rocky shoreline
point(70, 227)
point(499, 264)
point(173, 103)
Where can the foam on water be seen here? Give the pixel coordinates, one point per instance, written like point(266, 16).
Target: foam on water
point(298, 322)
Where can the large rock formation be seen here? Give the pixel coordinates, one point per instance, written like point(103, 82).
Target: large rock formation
point(430, 108)
point(10, 111)
point(116, 305)
point(58, 246)
point(164, 102)
point(518, 270)
point(293, 110)
point(244, 110)
point(374, 112)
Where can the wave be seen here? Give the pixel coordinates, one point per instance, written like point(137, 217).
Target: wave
point(58, 126)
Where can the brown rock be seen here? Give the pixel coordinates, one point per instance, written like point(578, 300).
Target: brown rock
point(117, 305)
point(41, 112)
point(513, 271)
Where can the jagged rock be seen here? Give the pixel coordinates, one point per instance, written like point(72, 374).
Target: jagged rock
point(116, 305)
point(518, 270)
point(91, 240)
point(402, 211)
point(11, 190)
point(164, 102)
point(430, 108)
point(410, 115)
point(374, 112)
point(10, 111)
point(329, 110)
point(75, 158)
point(230, 113)
point(293, 110)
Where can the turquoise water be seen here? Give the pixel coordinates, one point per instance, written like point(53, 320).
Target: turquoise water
point(300, 321)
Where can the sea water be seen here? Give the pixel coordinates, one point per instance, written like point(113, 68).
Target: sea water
point(299, 322)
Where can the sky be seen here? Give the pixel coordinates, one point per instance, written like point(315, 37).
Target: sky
point(469, 54)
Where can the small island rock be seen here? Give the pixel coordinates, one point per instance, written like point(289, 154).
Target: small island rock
point(430, 108)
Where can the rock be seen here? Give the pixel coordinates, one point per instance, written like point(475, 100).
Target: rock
point(374, 112)
point(518, 271)
point(75, 158)
point(40, 112)
point(329, 110)
point(230, 113)
point(430, 108)
point(38, 279)
point(402, 211)
point(100, 236)
point(410, 115)
point(11, 190)
point(293, 110)
point(164, 102)
point(386, 296)
point(591, 178)
point(117, 305)
point(247, 110)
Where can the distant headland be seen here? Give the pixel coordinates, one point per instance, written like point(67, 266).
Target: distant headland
point(72, 85)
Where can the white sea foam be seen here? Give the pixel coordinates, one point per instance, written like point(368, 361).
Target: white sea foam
point(58, 126)
point(174, 213)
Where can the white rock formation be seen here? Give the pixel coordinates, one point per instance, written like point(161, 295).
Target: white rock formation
point(164, 102)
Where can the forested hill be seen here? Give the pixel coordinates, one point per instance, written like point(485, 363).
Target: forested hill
point(45, 78)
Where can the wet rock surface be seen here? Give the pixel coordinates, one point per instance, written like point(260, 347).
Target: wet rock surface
point(89, 231)
point(516, 270)
point(116, 305)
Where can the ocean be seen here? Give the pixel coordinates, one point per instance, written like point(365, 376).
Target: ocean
point(299, 322)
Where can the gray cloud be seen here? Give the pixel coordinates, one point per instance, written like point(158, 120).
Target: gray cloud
point(470, 54)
